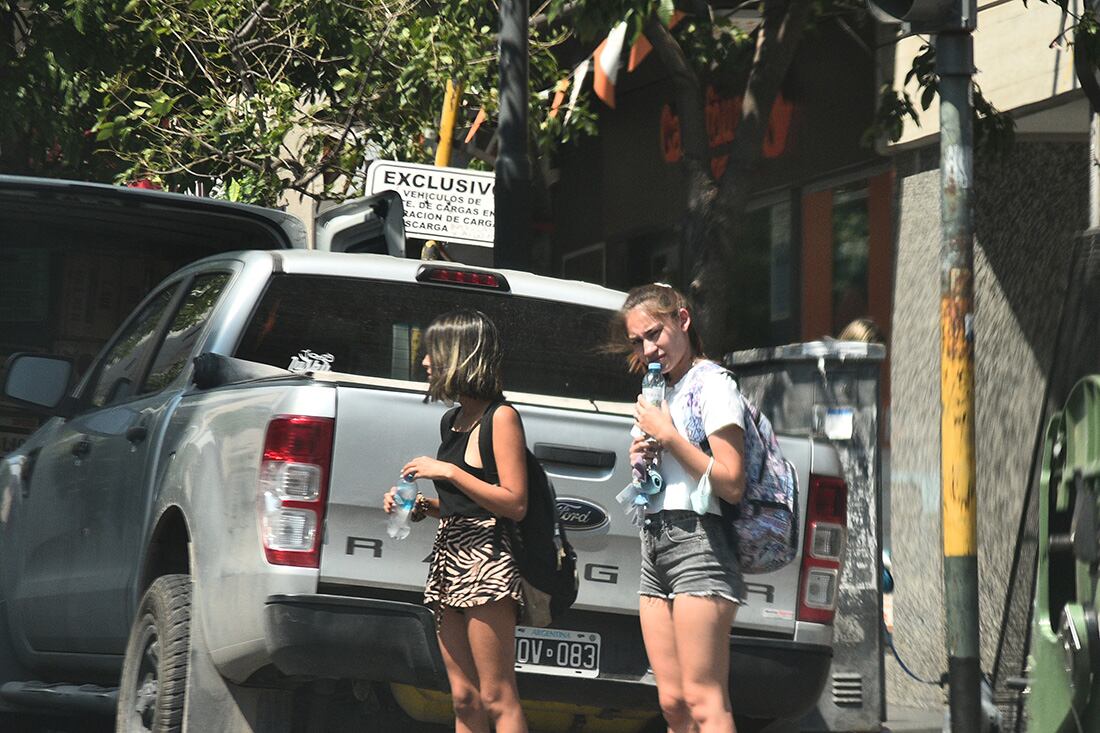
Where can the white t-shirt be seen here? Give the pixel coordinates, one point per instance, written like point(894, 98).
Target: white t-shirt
point(721, 406)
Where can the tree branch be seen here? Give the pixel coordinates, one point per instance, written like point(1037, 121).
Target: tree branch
point(689, 93)
point(249, 25)
point(353, 111)
point(232, 157)
point(541, 21)
point(779, 36)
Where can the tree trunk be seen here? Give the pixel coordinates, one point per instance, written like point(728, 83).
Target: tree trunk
point(713, 211)
point(691, 108)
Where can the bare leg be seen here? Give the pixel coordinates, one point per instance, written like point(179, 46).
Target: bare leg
point(660, 645)
point(491, 629)
point(470, 716)
point(702, 626)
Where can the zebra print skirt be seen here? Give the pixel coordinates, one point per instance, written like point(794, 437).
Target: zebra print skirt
point(468, 568)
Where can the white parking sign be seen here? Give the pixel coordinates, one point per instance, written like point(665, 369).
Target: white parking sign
point(449, 204)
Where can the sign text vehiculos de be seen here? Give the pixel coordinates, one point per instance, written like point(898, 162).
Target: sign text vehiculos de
point(449, 204)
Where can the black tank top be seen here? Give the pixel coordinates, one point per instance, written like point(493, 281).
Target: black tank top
point(452, 449)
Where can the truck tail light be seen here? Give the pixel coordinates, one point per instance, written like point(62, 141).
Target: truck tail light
point(293, 488)
point(823, 548)
point(462, 277)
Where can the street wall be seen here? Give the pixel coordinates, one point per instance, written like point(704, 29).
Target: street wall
point(1029, 207)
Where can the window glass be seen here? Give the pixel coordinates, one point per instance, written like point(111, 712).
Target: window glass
point(185, 329)
point(779, 231)
point(587, 264)
point(851, 248)
point(654, 256)
point(375, 328)
point(123, 362)
point(760, 279)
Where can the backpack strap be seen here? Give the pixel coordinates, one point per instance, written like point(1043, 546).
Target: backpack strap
point(489, 463)
point(694, 430)
point(485, 442)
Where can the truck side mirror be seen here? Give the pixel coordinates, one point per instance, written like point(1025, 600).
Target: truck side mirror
point(39, 381)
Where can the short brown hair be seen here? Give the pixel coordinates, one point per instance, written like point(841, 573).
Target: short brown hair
point(466, 355)
point(657, 299)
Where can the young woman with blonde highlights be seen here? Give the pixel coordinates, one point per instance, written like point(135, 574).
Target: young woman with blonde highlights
point(691, 583)
point(473, 582)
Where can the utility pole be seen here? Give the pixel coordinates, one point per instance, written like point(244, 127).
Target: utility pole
point(451, 96)
point(1088, 75)
point(511, 237)
point(955, 68)
point(953, 23)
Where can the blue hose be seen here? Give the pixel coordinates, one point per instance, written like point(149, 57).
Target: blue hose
point(890, 641)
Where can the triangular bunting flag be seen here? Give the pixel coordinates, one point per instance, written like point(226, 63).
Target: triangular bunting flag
point(642, 46)
point(478, 119)
point(608, 60)
point(578, 78)
point(559, 96)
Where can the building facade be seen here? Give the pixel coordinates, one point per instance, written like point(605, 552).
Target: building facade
point(837, 230)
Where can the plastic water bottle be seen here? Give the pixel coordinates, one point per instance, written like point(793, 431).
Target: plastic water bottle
point(653, 384)
point(398, 525)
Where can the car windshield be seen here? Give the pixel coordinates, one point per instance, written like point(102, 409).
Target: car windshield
point(374, 328)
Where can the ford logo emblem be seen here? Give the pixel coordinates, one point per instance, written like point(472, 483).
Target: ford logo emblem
point(580, 514)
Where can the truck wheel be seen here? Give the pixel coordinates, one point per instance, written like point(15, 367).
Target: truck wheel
point(154, 672)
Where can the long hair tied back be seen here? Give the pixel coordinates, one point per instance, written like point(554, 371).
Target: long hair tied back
point(657, 299)
point(464, 347)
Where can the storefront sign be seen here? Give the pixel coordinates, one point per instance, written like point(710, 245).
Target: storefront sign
point(722, 117)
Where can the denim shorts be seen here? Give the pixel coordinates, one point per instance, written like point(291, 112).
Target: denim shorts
point(687, 554)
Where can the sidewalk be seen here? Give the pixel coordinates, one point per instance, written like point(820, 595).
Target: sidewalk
point(901, 719)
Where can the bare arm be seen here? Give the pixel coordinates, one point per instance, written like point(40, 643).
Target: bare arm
point(509, 499)
point(727, 477)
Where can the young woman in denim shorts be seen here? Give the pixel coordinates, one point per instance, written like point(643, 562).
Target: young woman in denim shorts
point(691, 584)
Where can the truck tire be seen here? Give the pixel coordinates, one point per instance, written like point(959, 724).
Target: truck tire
point(154, 672)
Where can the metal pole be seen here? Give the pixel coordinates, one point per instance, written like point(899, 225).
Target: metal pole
point(451, 97)
point(452, 94)
point(1094, 170)
point(513, 169)
point(955, 66)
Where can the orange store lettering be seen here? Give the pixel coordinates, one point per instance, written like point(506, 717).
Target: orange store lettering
point(722, 116)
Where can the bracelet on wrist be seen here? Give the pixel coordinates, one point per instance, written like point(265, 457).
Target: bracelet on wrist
point(420, 508)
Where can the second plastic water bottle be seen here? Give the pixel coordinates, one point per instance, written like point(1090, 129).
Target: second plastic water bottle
point(403, 502)
point(653, 384)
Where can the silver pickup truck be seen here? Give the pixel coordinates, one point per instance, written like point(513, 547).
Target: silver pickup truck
point(195, 538)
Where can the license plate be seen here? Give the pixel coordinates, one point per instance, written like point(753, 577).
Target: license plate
point(557, 651)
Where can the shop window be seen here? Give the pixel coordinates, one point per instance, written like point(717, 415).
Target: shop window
point(851, 252)
point(654, 256)
point(588, 264)
point(761, 276)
